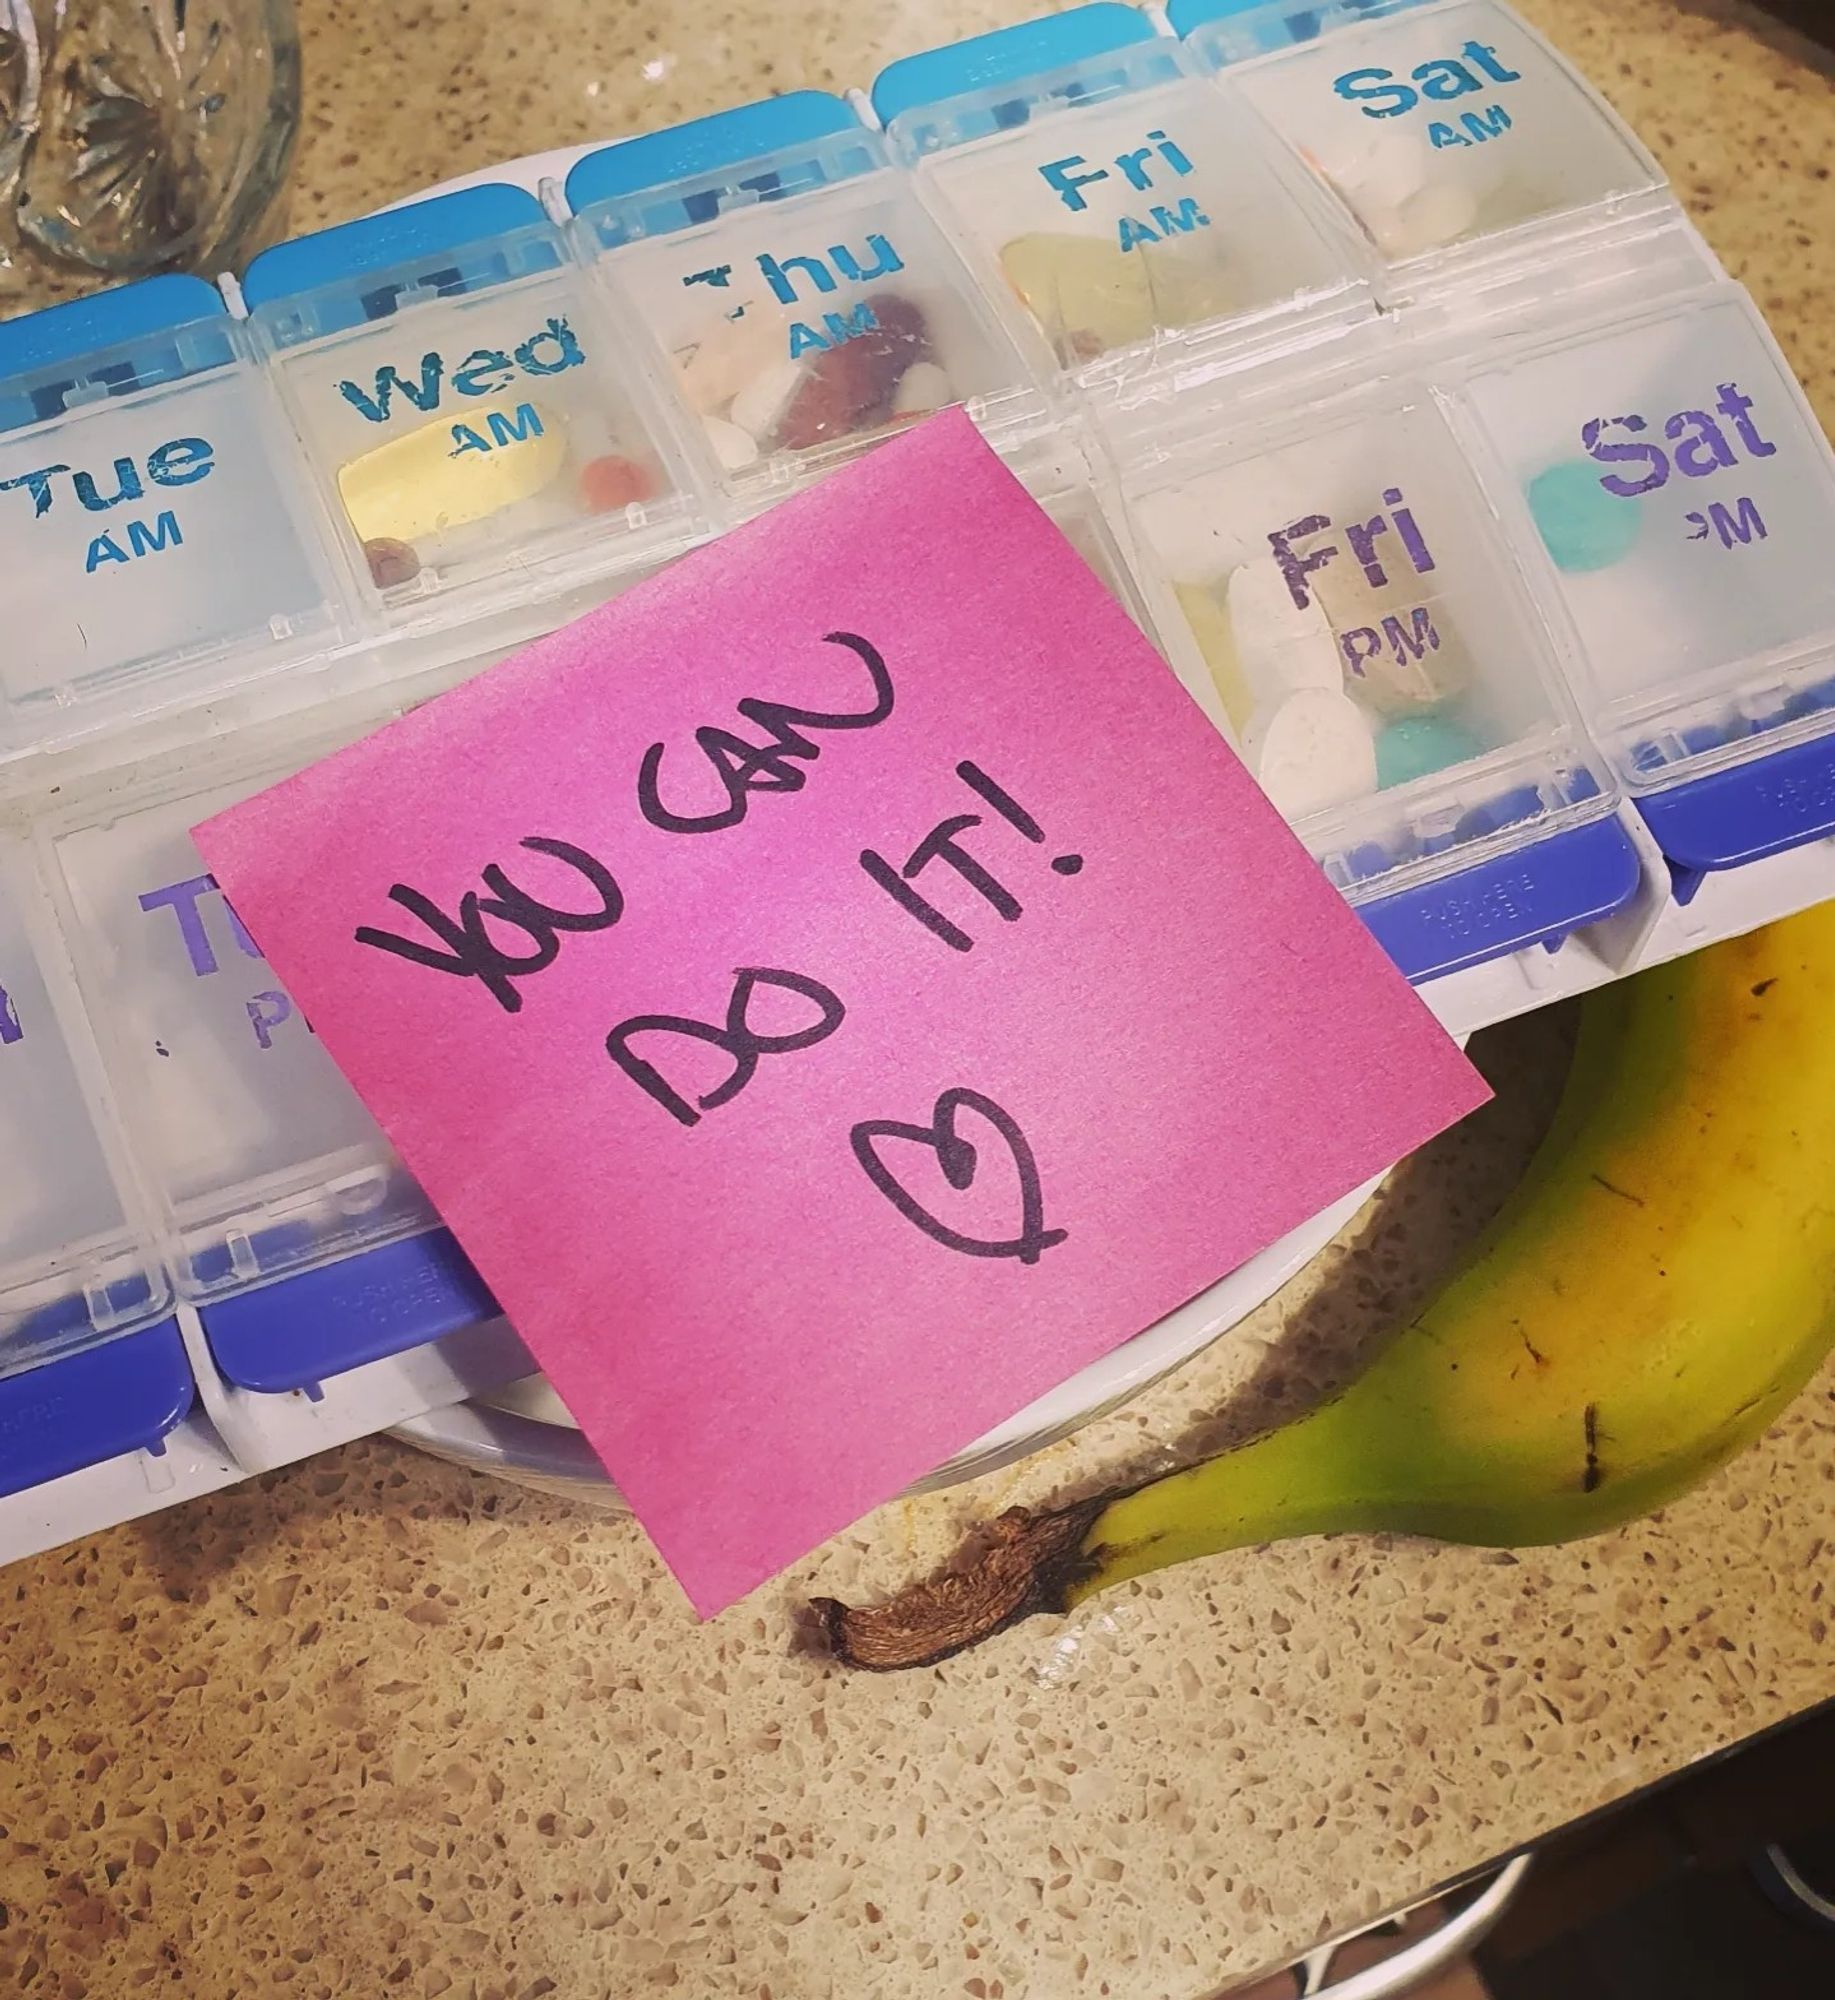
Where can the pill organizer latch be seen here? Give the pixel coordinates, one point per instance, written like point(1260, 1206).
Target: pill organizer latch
point(296, 1334)
point(1236, 29)
point(127, 1395)
point(446, 246)
point(1538, 897)
point(779, 147)
point(1733, 817)
point(994, 82)
point(136, 337)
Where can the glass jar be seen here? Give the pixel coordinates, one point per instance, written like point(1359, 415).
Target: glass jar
point(139, 136)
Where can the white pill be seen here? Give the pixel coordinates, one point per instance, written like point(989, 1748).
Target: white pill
point(923, 386)
point(759, 407)
point(1434, 217)
point(730, 354)
point(1281, 646)
point(734, 448)
point(1314, 750)
point(1187, 529)
point(1379, 169)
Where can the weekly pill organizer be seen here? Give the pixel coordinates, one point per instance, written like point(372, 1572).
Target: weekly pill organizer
point(1359, 347)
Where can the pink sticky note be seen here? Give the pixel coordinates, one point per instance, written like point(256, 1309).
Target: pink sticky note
point(906, 1140)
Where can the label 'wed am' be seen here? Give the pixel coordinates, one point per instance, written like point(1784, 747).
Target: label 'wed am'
point(453, 471)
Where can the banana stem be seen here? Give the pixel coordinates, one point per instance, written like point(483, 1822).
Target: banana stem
point(1299, 1480)
point(1305, 1478)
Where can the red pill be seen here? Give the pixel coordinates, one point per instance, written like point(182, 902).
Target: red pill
point(609, 483)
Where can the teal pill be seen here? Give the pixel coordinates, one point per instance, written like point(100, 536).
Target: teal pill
point(1417, 745)
point(1582, 525)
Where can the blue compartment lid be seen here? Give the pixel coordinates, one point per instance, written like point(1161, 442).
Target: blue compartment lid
point(125, 1395)
point(65, 333)
point(449, 237)
point(1532, 895)
point(294, 1333)
point(160, 330)
point(1008, 55)
point(711, 145)
point(1272, 24)
point(1758, 808)
point(1185, 15)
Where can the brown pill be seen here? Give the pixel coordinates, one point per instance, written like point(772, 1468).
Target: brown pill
point(391, 562)
point(852, 385)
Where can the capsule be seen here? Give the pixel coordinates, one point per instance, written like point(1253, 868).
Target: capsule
point(461, 469)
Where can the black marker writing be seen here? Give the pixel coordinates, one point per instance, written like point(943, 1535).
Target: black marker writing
point(502, 933)
point(943, 843)
point(737, 1039)
point(1009, 808)
point(470, 951)
point(940, 844)
point(774, 766)
point(959, 1160)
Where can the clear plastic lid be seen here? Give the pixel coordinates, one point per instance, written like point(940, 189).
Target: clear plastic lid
point(1456, 136)
point(157, 547)
point(463, 400)
point(1138, 223)
point(806, 303)
point(263, 1159)
point(1074, 484)
point(73, 1271)
point(1685, 498)
point(1338, 595)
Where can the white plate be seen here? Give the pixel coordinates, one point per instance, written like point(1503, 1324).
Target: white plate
point(534, 1438)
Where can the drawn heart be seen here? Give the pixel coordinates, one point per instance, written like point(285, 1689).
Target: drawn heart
point(959, 1160)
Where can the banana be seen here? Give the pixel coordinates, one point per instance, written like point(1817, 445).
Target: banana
point(1657, 1288)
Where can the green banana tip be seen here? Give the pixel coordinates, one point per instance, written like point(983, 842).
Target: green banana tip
point(1027, 1562)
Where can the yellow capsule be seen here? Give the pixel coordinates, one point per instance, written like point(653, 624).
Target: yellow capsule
point(460, 469)
point(1210, 627)
point(1090, 296)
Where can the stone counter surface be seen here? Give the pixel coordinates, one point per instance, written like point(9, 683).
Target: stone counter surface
point(374, 1725)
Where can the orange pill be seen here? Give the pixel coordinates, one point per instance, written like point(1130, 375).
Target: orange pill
point(608, 483)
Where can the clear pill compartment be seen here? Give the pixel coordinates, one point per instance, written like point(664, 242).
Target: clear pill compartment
point(468, 407)
point(74, 1270)
point(91, 1363)
point(1469, 152)
point(1339, 597)
point(1684, 498)
point(805, 303)
point(1135, 220)
point(1075, 487)
point(158, 545)
point(263, 1157)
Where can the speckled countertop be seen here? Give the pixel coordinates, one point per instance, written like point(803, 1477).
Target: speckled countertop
point(375, 1725)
